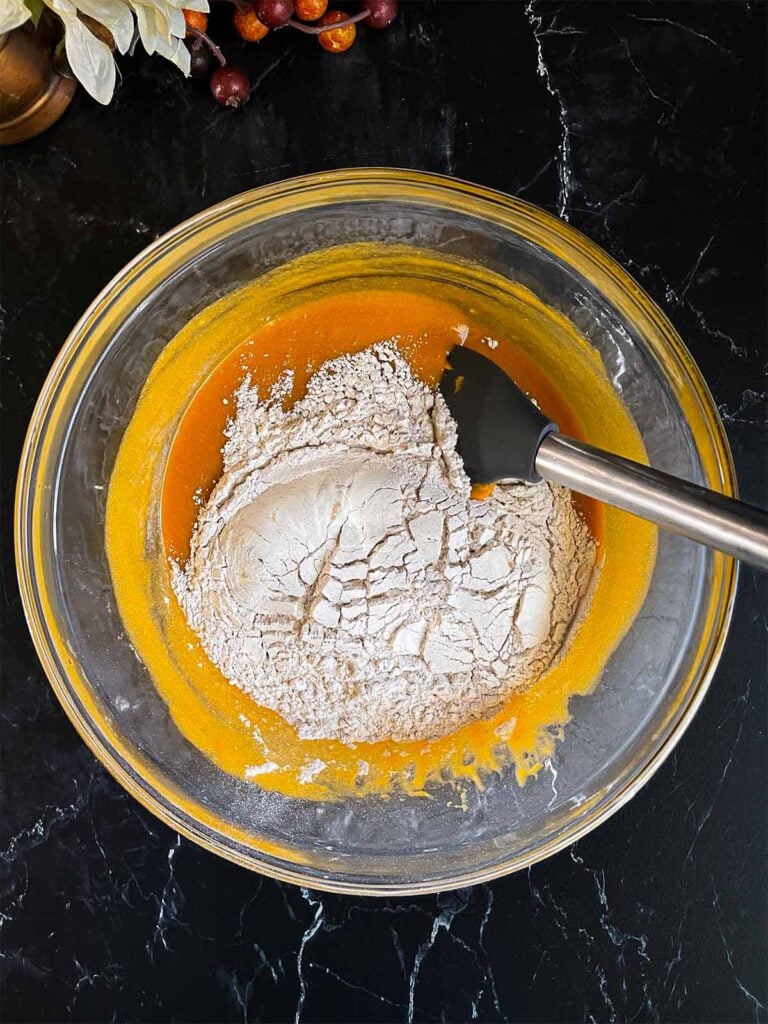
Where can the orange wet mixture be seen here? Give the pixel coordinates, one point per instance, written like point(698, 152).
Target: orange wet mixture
point(305, 338)
point(298, 318)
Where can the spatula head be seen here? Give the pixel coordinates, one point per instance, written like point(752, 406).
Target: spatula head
point(500, 429)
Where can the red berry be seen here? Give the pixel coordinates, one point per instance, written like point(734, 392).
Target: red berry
point(380, 12)
point(200, 61)
point(274, 13)
point(230, 86)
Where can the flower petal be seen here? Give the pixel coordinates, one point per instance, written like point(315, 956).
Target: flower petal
point(146, 24)
point(162, 29)
point(114, 15)
point(177, 53)
point(91, 60)
point(191, 5)
point(12, 14)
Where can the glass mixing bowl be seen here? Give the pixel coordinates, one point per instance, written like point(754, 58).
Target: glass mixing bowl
point(652, 684)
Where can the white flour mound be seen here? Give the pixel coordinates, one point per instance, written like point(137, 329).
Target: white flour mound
point(341, 575)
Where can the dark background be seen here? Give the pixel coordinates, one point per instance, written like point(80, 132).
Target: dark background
point(644, 124)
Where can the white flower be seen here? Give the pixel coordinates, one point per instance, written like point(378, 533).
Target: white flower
point(91, 60)
point(112, 14)
point(160, 24)
point(12, 14)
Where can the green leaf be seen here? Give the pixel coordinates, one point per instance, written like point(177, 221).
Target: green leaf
point(36, 8)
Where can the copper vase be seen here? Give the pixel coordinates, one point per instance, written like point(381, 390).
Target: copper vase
point(32, 94)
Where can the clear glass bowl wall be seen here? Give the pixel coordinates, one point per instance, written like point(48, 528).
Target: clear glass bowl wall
point(652, 683)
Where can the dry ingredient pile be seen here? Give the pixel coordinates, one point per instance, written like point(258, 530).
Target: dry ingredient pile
point(341, 575)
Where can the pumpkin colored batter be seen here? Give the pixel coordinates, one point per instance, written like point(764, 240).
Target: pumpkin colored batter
point(298, 317)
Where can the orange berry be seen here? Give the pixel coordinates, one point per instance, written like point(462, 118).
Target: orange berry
point(196, 19)
point(247, 24)
point(336, 40)
point(310, 10)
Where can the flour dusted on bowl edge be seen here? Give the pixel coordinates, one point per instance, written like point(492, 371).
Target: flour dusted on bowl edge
point(341, 575)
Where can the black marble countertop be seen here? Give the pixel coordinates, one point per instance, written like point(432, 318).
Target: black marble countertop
point(644, 125)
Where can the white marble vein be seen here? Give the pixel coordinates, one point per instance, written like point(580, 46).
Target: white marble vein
point(170, 899)
point(312, 929)
point(564, 162)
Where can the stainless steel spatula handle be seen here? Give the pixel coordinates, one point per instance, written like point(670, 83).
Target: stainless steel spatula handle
point(695, 512)
point(502, 435)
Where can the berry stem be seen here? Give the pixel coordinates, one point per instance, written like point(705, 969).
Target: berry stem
point(316, 30)
point(203, 38)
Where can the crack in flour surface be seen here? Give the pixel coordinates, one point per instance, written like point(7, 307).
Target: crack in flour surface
point(341, 575)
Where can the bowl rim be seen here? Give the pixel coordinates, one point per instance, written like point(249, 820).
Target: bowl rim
point(359, 184)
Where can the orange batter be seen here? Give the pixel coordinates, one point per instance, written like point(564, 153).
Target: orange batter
point(302, 340)
point(298, 317)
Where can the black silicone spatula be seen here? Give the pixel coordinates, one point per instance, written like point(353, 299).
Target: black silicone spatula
point(502, 435)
